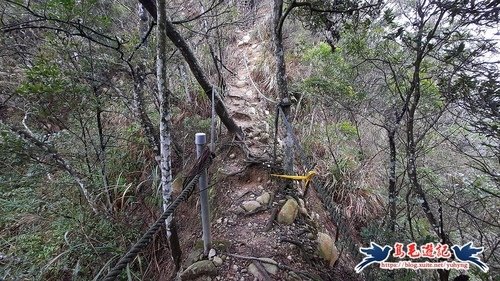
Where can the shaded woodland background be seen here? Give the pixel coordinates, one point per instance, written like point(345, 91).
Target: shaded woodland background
point(396, 103)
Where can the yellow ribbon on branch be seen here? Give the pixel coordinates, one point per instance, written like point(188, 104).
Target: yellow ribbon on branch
point(307, 177)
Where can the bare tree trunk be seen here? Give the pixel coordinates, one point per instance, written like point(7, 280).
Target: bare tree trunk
point(412, 158)
point(102, 155)
point(392, 180)
point(279, 55)
point(165, 127)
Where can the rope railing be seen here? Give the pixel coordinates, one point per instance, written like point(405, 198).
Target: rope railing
point(144, 241)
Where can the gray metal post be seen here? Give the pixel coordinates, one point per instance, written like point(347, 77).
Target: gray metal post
point(201, 140)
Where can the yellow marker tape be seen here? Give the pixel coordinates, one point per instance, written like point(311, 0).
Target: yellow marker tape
point(306, 178)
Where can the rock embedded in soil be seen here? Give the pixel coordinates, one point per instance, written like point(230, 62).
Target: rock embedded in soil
point(327, 249)
point(264, 198)
point(211, 254)
point(217, 261)
point(198, 269)
point(250, 206)
point(288, 212)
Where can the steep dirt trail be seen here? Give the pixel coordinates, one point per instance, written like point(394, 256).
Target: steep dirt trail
point(247, 200)
point(243, 100)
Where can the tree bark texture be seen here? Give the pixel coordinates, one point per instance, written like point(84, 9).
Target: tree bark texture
point(165, 127)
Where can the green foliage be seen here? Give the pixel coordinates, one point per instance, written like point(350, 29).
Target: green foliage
point(321, 51)
point(347, 128)
point(332, 75)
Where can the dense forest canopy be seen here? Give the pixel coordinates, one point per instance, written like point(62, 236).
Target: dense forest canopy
point(394, 104)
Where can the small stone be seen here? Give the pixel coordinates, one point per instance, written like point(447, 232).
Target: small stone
point(211, 254)
point(252, 110)
point(177, 185)
point(219, 220)
point(259, 179)
point(264, 198)
point(266, 112)
point(250, 206)
point(289, 258)
point(244, 270)
point(235, 267)
point(232, 156)
point(288, 212)
point(260, 187)
point(246, 39)
point(218, 261)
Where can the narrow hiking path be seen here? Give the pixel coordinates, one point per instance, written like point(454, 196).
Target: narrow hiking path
point(248, 203)
point(248, 200)
point(243, 100)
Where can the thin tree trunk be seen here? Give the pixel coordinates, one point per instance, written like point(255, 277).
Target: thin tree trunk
point(392, 180)
point(102, 156)
point(412, 165)
point(279, 56)
point(165, 127)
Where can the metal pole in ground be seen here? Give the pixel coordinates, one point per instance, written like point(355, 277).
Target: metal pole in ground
point(201, 140)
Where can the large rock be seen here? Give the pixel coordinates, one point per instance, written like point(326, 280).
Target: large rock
point(327, 249)
point(288, 212)
point(198, 269)
point(250, 206)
